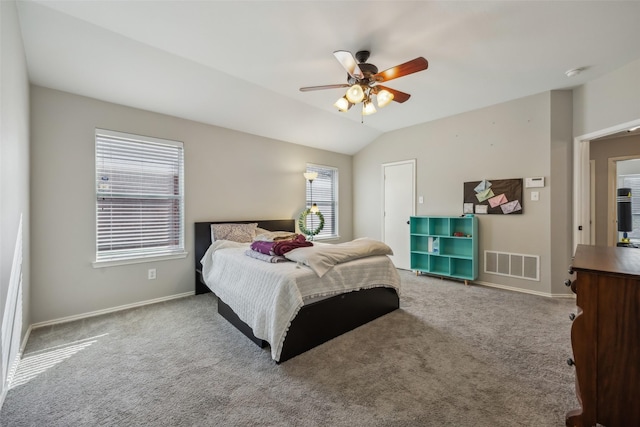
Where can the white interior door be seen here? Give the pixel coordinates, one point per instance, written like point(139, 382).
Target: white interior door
point(399, 206)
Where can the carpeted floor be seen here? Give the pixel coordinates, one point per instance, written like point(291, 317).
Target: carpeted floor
point(453, 355)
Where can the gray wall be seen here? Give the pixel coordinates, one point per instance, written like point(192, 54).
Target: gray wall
point(561, 189)
point(511, 140)
point(608, 101)
point(600, 151)
point(229, 175)
point(14, 155)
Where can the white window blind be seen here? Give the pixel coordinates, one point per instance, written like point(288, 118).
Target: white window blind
point(325, 195)
point(140, 196)
point(633, 182)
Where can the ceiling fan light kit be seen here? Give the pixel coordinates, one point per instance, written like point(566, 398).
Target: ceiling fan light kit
point(363, 81)
point(343, 104)
point(355, 94)
point(368, 108)
point(384, 97)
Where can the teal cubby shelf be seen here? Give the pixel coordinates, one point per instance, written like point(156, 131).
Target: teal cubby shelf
point(436, 250)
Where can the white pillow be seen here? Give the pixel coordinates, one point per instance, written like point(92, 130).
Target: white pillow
point(241, 233)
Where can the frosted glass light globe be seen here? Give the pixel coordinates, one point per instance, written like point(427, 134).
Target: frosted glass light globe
point(355, 94)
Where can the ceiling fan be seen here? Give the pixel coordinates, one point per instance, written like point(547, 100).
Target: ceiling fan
point(363, 81)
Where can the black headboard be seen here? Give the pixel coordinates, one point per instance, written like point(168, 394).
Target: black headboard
point(202, 240)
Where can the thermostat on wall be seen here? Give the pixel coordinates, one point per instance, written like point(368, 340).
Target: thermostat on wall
point(534, 182)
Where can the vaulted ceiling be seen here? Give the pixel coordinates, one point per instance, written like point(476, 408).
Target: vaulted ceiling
point(240, 64)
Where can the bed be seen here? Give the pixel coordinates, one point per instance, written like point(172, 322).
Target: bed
point(318, 320)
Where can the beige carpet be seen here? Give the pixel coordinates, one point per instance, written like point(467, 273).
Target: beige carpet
point(453, 355)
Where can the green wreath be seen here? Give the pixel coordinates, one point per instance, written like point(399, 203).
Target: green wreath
point(302, 223)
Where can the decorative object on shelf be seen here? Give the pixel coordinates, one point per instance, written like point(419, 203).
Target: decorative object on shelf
point(302, 221)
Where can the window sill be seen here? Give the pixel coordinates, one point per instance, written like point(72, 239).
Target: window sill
point(140, 260)
point(326, 238)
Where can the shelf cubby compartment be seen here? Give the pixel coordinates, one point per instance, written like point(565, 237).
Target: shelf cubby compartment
point(419, 243)
point(462, 225)
point(439, 265)
point(420, 261)
point(419, 227)
point(462, 268)
point(439, 226)
point(456, 246)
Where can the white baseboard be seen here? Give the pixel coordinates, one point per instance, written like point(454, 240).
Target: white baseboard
point(108, 310)
point(524, 291)
point(25, 339)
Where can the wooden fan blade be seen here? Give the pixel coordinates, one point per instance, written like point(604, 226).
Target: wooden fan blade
point(397, 95)
point(401, 70)
point(349, 63)
point(310, 88)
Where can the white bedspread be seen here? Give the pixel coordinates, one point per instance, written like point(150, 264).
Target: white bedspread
point(267, 296)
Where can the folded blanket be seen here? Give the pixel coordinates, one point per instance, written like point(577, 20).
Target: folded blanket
point(284, 246)
point(274, 236)
point(321, 258)
point(263, 247)
point(263, 257)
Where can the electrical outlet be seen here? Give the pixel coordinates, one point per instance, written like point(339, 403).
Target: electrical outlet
point(151, 274)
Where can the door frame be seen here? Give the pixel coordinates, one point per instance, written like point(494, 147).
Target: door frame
point(413, 190)
point(592, 195)
point(582, 182)
point(612, 211)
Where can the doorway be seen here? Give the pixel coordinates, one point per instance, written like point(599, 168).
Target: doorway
point(398, 201)
point(624, 172)
point(582, 233)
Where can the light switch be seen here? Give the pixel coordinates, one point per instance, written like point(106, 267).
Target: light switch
point(420, 199)
point(535, 195)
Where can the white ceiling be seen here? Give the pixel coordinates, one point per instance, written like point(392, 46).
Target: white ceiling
point(240, 64)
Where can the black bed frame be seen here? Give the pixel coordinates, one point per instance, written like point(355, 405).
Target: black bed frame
point(315, 323)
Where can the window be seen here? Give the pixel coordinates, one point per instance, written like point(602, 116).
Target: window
point(140, 197)
point(633, 182)
point(325, 194)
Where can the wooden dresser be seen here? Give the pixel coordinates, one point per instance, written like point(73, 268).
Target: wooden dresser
point(605, 336)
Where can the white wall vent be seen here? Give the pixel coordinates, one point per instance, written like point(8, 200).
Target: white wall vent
point(521, 266)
